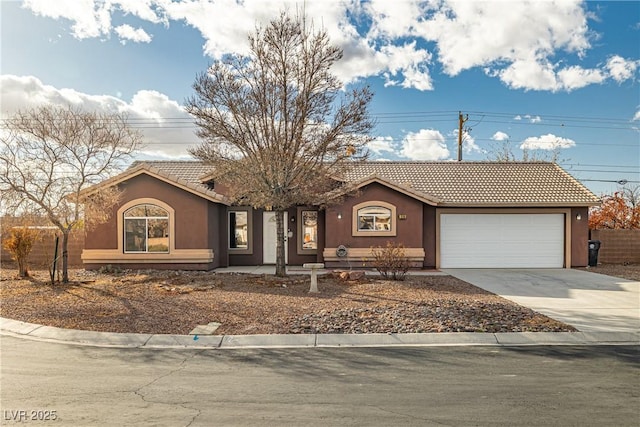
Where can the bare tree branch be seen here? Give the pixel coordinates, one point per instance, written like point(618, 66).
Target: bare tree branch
point(276, 124)
point(50, 154)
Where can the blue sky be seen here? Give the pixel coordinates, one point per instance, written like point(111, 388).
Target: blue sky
point(537, 74)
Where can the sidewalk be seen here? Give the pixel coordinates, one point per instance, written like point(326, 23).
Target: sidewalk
point(108, 339)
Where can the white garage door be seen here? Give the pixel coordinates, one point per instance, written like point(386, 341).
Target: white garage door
point(501, 240)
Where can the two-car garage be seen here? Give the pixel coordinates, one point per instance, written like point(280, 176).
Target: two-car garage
point(502, 240)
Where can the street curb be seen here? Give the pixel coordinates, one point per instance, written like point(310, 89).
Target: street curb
point(10, 327)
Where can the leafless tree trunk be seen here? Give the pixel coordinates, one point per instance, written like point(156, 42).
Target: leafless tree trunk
point(280, 245)
point(276, 125)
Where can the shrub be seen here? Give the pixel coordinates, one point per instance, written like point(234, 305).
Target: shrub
point(109, 269)
point(391, 261)
point(19, 245)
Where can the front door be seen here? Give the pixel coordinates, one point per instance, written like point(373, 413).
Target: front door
point(269, 233)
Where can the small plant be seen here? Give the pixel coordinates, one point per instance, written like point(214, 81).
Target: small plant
point(19, 245)
point(391, 261)
point(109, 269)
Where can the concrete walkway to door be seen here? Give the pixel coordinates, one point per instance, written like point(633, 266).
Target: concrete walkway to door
point(587, 301)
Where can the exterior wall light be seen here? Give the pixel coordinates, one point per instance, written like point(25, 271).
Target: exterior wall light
point(339, 216)
point(578, 217)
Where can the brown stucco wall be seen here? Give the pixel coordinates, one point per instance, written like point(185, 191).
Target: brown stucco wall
point(618, 246)
point(429, 236)
point(255, 258)
point(103, 236)
point(408, 232)
point(579, 237)
point(191, 214)
point(216, 236)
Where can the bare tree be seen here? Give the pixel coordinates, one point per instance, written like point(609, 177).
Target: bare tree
point(50, 154)
point(274, 125)
point(503, 152)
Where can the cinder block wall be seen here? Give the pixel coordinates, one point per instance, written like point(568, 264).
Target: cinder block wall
point(618, 246)
point(42, 253)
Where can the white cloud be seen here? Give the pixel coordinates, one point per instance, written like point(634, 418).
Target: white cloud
point(471, 34)
point(575, 77)
point(382, 144)
point(166, 127)
point(546, 142)
point(500, 136)
point(426, 144)
point(392, 19)
point(90, 19)
point(408, 61)
point(636, 116)
point(400, 41)
point(529, 117)
point(621, 69)
point(147, 10)
point(137, 35)
point(535, 74)
point(468, 142)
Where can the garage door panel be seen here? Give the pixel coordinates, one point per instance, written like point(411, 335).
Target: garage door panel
point(501, 240)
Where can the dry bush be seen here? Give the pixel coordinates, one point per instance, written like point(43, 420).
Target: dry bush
point(391, 261)
point(19, 244)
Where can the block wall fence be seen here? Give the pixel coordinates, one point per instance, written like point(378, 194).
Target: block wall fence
point(42, 253)
point(618, 246)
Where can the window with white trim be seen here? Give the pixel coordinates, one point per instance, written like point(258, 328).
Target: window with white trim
point(374, 218)
point(146, 229)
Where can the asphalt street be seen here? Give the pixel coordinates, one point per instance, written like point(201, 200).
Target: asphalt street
point(443, 386)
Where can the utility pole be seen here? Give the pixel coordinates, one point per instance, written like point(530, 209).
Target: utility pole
point(461, 121)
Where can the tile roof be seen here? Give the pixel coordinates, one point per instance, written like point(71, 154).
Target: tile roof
point(184, 174)
point(188, 170)
point(483, 183)
point(440, 183)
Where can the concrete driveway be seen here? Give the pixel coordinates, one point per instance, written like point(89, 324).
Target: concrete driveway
point(587, 301)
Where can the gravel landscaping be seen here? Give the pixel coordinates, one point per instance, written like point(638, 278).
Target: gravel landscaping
point(171, 302)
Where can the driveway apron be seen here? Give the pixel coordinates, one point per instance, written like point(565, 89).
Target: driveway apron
point(587, 301)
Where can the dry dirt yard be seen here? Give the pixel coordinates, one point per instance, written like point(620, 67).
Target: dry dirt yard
point(174, 302)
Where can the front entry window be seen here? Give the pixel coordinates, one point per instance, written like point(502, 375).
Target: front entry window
point(310, 230)
point(146, 229)
point(238, 230)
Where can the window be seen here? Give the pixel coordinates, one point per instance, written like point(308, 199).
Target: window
point(146, 229)
point(374, 218)
point(310, 230)
point(239, 230)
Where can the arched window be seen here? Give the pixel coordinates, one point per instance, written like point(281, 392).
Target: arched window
point(146, 229)
point(374, 218)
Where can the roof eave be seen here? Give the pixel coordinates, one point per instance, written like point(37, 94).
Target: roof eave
point(517, 204)
point(162, 176)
